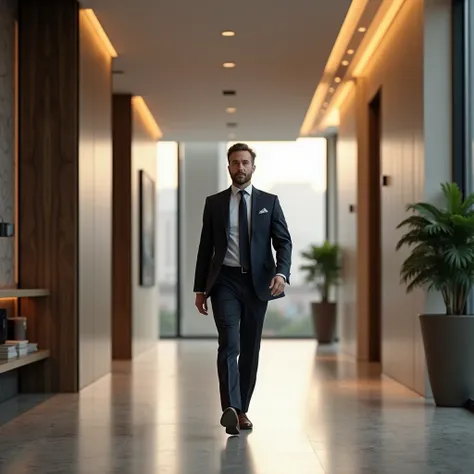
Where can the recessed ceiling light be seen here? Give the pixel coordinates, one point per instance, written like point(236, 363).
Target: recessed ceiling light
point(331, 90)
point(350, 52)
point(345, 63)
point(362, 29)
point(337, 80)
point(228, 65)
point(228, 33)
point(231, 110)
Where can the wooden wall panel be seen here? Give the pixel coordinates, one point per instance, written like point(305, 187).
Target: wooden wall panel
point(122, 227)
point(8, 12)
point(48, 176)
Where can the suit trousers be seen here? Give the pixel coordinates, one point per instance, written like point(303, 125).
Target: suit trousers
point(239, 315)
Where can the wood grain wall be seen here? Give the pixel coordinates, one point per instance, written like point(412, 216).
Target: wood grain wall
point(122, 227)
point(48, 177)
point(8, 13)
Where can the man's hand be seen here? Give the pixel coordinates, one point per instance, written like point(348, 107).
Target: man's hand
point(201, 303)
point(277, 286)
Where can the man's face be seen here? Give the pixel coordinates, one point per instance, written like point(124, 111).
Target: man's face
point(241, 167)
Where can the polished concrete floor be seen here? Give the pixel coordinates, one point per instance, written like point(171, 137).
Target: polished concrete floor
point(314, 412)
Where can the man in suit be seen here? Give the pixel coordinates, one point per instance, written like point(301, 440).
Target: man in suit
point(236, 269)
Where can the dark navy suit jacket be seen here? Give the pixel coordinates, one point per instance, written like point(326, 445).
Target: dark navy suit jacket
point(267, 229)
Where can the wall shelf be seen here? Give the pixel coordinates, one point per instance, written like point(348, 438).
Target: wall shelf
point(23, 293)
point(17, 362)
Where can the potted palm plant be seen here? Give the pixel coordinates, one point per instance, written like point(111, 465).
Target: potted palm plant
point(323, 270)
point(441, 243)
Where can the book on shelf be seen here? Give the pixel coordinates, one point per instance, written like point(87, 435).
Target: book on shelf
point(8, 352)
point(13, 349)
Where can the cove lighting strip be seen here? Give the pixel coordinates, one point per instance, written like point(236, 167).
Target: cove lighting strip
point(91, 16)
point(139, 103)
point(351, 21)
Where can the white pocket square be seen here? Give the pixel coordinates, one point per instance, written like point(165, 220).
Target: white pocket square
point(263, 211)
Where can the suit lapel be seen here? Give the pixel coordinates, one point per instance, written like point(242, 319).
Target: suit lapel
point(255, 207)
point(224, 209)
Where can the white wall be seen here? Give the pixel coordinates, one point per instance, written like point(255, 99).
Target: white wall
point(347, 227)
point(202, 173)
point(95, 208)
point(145, 300)
point(412, 67)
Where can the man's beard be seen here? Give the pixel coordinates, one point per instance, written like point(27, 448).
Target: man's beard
point(241, 179)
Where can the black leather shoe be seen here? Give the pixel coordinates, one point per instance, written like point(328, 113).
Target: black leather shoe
point(230, 421)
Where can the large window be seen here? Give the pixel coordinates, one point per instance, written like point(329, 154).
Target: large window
point(296, 172)
point(167, 236)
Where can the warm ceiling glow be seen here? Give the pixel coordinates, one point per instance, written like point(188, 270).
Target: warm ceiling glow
point(352, 20)
point(228, 65)
point(228, 33)
point(139, 104)
point(329, 117)
point(100, 31)
point(343, 94)
point(345, 63)
point(231, 110)
point(378, 35)
point(332, 119)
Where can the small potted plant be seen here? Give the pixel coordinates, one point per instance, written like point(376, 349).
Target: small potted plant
point(441, 243)
point(323, 270)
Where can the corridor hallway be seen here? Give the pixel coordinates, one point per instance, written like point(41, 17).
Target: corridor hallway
point(312, 414)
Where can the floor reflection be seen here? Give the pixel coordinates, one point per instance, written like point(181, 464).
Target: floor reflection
point(315, 412)
point(237, 456)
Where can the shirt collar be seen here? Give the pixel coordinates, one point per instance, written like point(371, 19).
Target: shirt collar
point(248, 189)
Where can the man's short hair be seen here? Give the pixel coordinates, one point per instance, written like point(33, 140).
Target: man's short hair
point(241, 147)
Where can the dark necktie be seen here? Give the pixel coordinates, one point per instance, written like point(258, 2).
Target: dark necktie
point(244, 242)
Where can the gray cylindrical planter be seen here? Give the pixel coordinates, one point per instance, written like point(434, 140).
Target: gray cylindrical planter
point(324, 321)
point(449, 350)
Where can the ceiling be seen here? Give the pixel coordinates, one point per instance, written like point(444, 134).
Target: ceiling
point(171, 53)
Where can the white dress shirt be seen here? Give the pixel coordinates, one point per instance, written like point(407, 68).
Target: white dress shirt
point(232, 258)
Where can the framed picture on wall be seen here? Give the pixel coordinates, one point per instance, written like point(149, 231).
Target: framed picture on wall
point(147, 229)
